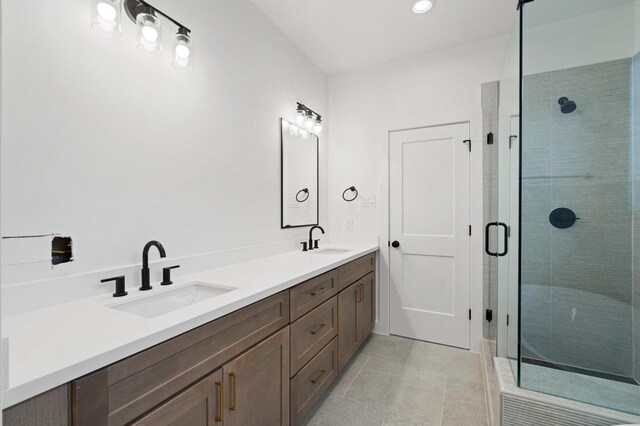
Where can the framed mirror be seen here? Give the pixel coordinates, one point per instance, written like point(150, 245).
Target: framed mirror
point(299, 177)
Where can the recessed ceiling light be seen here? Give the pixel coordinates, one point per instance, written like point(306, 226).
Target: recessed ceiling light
point(422, 6)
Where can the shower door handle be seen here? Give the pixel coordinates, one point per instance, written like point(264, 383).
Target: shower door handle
point(487, 230)
point(486, 239)
point(506, 239)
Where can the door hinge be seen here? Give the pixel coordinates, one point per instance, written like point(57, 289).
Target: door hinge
point(469, 314)
point(488, 315)
point(469, 229)
point(490, 138)
point(469, 141)
point(507, 320)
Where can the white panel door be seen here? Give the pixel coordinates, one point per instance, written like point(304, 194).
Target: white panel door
point(429, 221)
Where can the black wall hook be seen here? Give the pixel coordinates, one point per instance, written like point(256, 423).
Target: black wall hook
point(302, 191)
point(352, 189)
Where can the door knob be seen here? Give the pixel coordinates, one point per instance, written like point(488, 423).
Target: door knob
point(395, 244)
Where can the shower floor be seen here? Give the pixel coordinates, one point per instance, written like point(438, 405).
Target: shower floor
point(579, 387)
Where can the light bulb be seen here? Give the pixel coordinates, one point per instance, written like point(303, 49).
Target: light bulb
point(308, 123)
point(106, 11)
point(182, 51)
point(299, 117)
point(149, 33)
point(317, 128)
point(106, 17)
point(422, 6)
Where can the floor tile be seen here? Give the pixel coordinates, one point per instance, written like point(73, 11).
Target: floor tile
point(391, 348)
point(336, 410)
point(398, 381)
point(455, 363)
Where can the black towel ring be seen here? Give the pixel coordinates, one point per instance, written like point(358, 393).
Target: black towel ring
point(306, 191)
point(352, 189)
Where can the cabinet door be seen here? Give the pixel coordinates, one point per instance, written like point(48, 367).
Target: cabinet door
point(366, 306)
point(347, 324)
point(257, 384)
point(199, 405)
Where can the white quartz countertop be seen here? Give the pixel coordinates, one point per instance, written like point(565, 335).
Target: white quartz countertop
point(52, 346)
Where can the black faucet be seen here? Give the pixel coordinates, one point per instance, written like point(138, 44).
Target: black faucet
point(311, 247)
point(145, 262)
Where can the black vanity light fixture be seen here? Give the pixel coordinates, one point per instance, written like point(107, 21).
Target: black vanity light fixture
point(107, 20)
point(308, 122)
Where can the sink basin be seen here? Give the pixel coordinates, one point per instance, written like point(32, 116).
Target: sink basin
point(330, 251)
point(190, 294)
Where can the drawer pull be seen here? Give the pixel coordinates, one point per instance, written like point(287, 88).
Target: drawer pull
point(232, 404)
point(317, 329)
point(318, 292)
point(318, 377)
point(220, 407)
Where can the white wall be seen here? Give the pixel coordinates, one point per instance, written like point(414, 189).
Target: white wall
point(592, 38)
point(114, 148)
point(433, 88)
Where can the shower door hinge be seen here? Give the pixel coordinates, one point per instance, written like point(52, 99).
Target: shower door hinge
point(488, 315)
point(469, 141)
point(469, 314)
point(490, 138)
point(469, 229)
point(507, 320)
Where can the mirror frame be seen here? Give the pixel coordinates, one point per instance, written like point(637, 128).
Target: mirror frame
point(282, 225)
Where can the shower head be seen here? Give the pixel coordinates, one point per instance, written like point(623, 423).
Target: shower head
point(566, 106)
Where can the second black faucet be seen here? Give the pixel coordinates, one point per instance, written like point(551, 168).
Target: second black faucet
point(311, 244)
point(146, 284)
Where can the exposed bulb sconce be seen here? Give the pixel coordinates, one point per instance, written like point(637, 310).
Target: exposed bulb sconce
point(353, 190)
point(308, 120)
point(107, 19)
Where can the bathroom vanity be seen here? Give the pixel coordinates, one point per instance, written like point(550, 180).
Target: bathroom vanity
point(265, 363)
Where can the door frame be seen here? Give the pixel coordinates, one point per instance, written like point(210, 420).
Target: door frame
point(474, 118)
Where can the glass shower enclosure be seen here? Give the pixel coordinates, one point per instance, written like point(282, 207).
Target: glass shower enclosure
point(566, 242)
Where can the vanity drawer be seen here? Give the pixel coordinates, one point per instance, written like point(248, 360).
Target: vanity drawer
point(310, 383)
point(309, 294)
point(353, 271)
point(123, 391)
point(312, 332)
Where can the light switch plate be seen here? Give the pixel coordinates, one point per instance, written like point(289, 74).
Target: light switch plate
point(368, 200)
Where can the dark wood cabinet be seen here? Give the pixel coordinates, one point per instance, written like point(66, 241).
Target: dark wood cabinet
point(356, 317)
point(347, 324)
point(366, 310)
point(257, 384)
point(234, 371)
point(200, 404)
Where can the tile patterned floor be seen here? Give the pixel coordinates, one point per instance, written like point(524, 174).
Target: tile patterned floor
point(398, 381)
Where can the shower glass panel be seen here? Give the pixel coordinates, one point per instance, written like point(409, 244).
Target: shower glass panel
point(507, 149)
point(578, 187)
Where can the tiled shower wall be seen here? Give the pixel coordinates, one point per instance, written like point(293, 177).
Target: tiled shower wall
point(490, 203)
point(577, 282)
point(635, 82)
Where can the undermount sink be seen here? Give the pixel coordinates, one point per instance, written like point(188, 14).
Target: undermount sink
point(329, 251)
point(190, 294)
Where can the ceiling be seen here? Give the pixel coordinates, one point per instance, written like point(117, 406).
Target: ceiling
point(344, 35)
